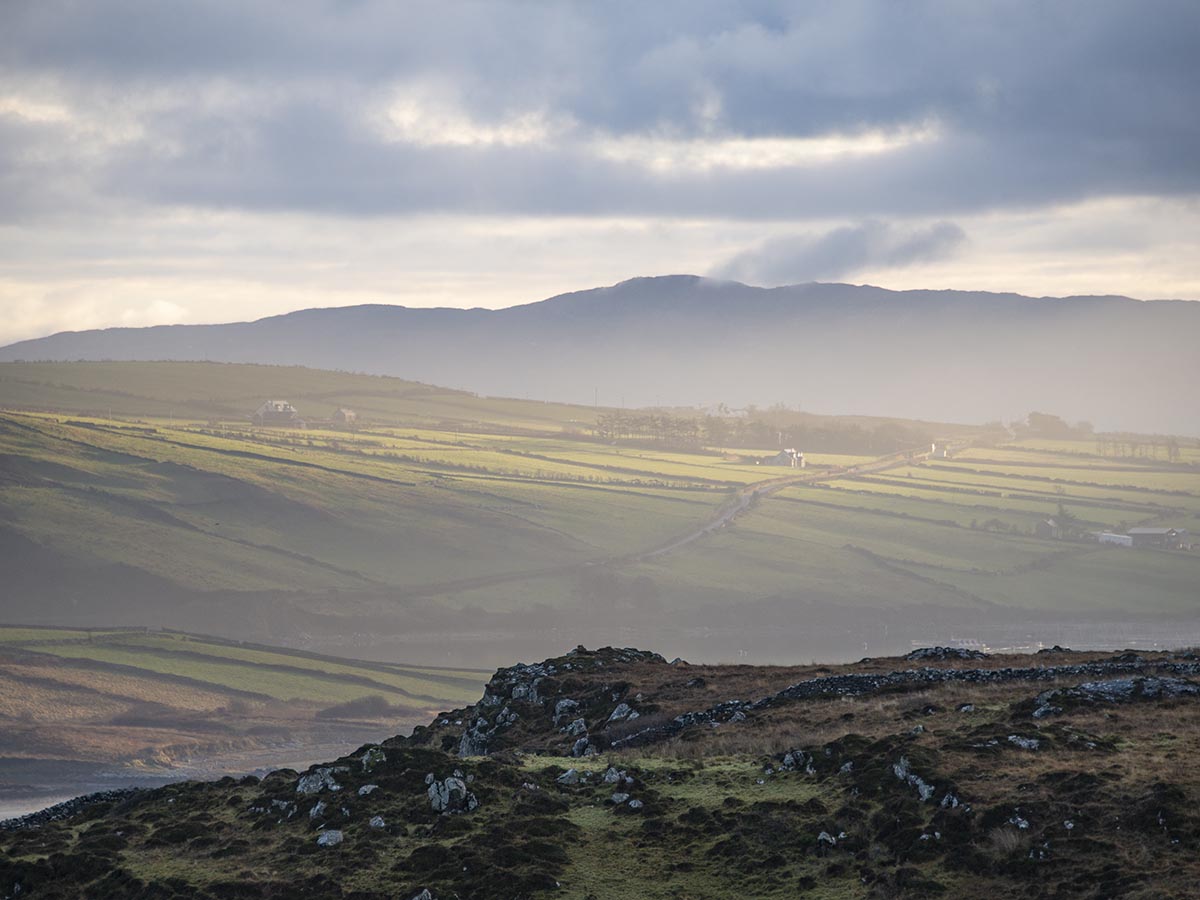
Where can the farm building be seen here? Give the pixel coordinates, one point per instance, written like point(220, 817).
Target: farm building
point(1116, 540)
point(1170, 538)
point(1048, 528)
point(791, 457)
point(345, 416)
point(277, 412)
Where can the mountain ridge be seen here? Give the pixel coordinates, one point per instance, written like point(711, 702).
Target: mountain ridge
point(684, 340)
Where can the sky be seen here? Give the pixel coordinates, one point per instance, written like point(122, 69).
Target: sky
point(221, 160)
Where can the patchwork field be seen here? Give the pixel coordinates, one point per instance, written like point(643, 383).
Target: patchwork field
point(79, 708)
point(445, 528)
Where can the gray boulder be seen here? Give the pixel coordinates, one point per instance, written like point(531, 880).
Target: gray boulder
point(623, 712)
point(330, 838)
point(451, 796)
point(373, 757)
point(565, 708)
point(320, 780)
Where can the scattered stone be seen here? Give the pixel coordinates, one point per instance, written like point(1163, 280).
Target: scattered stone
point(320, 780)
point(636, 804)
point(826, 838)
point(904, 772)
point(330, 838)
point(619, 798)
point(367, 789)
point(377, 822)
point(798, 760)
point(966, 707)
point(372, 758)
point(571, 776)
point(576, 728)
point(1023, 742)
point(612, 776)
point(423, 895)
point(318, 810)
point(919, 729)
point(1019, 820)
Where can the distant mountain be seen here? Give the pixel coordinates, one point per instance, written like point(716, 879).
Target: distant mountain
point(685, 340)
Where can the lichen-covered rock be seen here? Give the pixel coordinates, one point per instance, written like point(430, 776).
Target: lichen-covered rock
point(321, 779)
point(451, 796)
point(571, 776)
point(576, 728)
point(318, 810)
point(330, 838)
point(623, 712)
point(619, 797)
point(377, 822)
point(373, 757)
point(1025, 743)
point(474, 741)
point(565, 707)
point(903, 771)
point(367, 789)
point(798, 760)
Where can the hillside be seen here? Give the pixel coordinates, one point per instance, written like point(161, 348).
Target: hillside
point(80, 709)
point(681, 340)
point(447, 529)
point(613, 773)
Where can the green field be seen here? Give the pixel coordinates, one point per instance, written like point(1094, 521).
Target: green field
point(444, 525)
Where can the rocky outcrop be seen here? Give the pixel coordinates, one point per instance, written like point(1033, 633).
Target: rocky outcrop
point(558, 700)
point(1114, 690)
point(850, 685)
point(941, 654)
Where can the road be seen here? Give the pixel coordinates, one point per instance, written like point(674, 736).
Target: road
point(745, 497)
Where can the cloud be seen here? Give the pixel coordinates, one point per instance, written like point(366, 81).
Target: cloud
point(754, 110)
point(841, 252)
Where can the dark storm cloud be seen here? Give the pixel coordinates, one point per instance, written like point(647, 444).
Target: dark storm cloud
point(275, 105)
point(843, 251)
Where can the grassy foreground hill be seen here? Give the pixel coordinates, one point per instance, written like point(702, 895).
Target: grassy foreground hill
point(613, 773)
